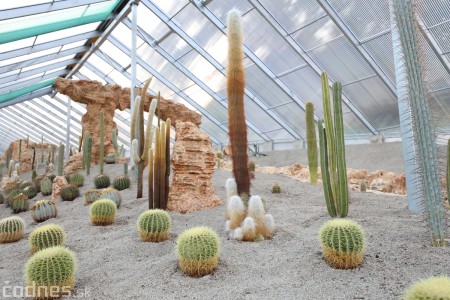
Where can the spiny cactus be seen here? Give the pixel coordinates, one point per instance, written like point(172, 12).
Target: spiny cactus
point(87, 151)
point(103, 212)
point(12, 229)
point(235, 212)
point(236, 114)
point(111, 194)
point(102, 142)
point(276, 189)
point(30, 192)
point(33, 174)
point(110, 158)
point(51, 177)
point(20, 203)
point(343, 243)
point(91, 196)
point(231, 187)
point(10, 186)
point(50, 273)
point(115, 133)
point(432, 288)
point(198, 251)
point(60, 159)
point(311, 142)
point(43, 210)
point(76, 180)
point(11, 196)
point(37, 182)
point(154, 225)
point(46, 236)
point(25, 184)
point(102, 181)
point(69, 193)
point(46, 187)
point(11, 167)
point(125, 168)
point(332, 151)
point(121, 183)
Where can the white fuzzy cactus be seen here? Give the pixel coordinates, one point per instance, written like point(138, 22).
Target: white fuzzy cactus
point(249, 229)
point(231, 188)
point(236, 211)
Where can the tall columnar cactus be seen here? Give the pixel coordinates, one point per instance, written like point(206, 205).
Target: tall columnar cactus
point(20, 151)
point(154, 225)
point(332, 151)
point(12, 229)
point(115, 144)
point(46, 236)
point(428, 177)
point(87, 148)
point(448, 172)
point(60, 159)
point(11, 167)
point(102, 142)
point(103, 212)
point(53, 150)
point(432, 288)
point(50, 273)
point(42, 149)
point(236, 115)
point(141, 143)
point(343, 243)
point(43, 210)
point(198, 251)
point(311, 142)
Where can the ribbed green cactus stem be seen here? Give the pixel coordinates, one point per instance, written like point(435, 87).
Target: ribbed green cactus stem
point(156, 173)
point(60, 159)
point(53, 147)
point(154, 225)
point(432, 288)
point(448, 172)
point(12, 229)
point(311, 142)
point(125, 168)
point(421, 121)
point(43, 210)
point(150, 179)
point(46, 236)
point(42, 149)
point(167, 175)
point(114, 142)
point(331, 207)
point(162, 167)
point(103, 212)
point(236, 114)
point(102, 142)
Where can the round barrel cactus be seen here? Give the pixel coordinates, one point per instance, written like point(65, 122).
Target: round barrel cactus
point(46, 236)
point(433, 288)
point(103, 212)
point(91, 196)
point(43, 210)
point(110, 159)
point(9, 186)
point(198, 251)
point(121, 183)
point(154, 225)
point(343, 243)
point(111, 194)
point(69, 193)
point(20, 203)
point(46, 186)
point(12, 229)
point(11, 196)
point(76, 180)
point(24, 184)
point(50, 273)
point(102, 181)
point(37, 182)
point(30, 191)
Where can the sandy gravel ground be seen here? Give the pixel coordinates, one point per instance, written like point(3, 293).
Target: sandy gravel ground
point(115, 264)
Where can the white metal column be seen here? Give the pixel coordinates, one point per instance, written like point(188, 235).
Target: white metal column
point(133, 65)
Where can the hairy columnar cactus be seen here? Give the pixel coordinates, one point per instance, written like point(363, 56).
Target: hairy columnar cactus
point(50, 273)
point(11, 167)
point(115, 144)
point(332, 151)
point(311, 142)
point(154, 225)
point(428, 177)
point(12, 229)
point(432, 288)
point(46, 236)
point(103, 212)
point(43, 210)
point(343, 243)
point(102, 142)
point(60, 159)
point(198, 251)
point(236, 115)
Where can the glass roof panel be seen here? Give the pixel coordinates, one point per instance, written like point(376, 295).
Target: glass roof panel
point(213, 107)
point(279, 135)
point(353, 125)
point(295, 117)
point(15, 4)
point(53, 61)
point(149, 22)
point(91, 75)
point(123, 34)
point(100, 64)
point(175, 46)
point(316, 34)
point(170, 7)
point(17, 44)
point(222, 7)
point(380, 49)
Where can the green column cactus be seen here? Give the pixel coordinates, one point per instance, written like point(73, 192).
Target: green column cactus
point(311, 142)
point(154, 225)
point(332, 151)
point(43, 210)
point(60, 159)
point(448, 172)
point(50, 273)
point(103, 212)
point(12, 229)
point(20, 151)
point(102, 142)
point(46, 236)
point(343, 243)
point(432, 288)
point(423, 141)
point(114, 142)
point(198, 251)
point(42, 149)
point(87, 151)
point(53, 150)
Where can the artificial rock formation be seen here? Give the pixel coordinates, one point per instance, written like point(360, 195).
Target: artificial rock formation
point(193, 164)
point(26, 155)
point(58, 183)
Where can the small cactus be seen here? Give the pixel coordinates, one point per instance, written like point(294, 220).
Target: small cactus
point(11, 186)
point(235, 212)
point(2, 198)
point(110, 158)
point(432, 288)
point(343, 243)
point(69, 193)
point(198, 251)
point(362, 186)
point(113, 195)
point(37, 183)
point(12, 229)
point(231, 188)
point(46, 186)
point(77, 180)
point(102, 181)
point(276, 189)
point(24, 184)
point(50, 273)
point(251, 166)
point(46, 236)
point(154, 225)
point(43, 210)
point(219, 154)
point(103, 212)
point(91, 196)
point(11, 196)
point(30, 191)
point(121, 183)
point(20, 203)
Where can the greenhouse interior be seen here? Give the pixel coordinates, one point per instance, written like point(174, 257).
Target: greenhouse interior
point(225, 149)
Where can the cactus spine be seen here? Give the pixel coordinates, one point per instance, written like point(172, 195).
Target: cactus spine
point(103, 212)
point(311, 142)
point(236, 114)
point(332, 151)
point(428, 177)
point(11, 229)
point(46, 236)
point(60, 159)
point(102, 142)
point(121, 183)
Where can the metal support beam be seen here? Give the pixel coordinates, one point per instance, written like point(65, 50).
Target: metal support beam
point(133, 68)
point(25, 83)
point(175, 28)
point(32, 95)
point(67, 154)
point(305, 56)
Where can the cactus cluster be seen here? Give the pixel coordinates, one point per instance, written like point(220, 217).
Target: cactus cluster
point(10, 186)
point(91, 196)
point(20, 203)
point(50, 273)
point(43, 210)
point(69, 193)
point(46, 186)
point(111, 194)
point(154, 225)
point(46, 236)
point(432, 288)
point(103, 212)
point(198, 251)
point(102, 181)
point(12, 229)
point(76, 180)
point(121, 183)
point(343, 243)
